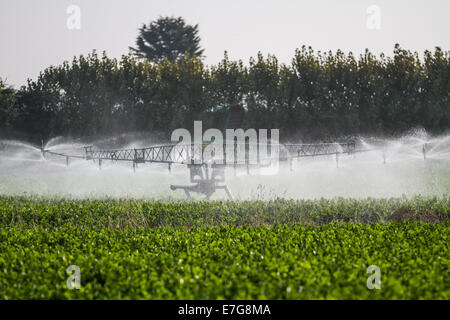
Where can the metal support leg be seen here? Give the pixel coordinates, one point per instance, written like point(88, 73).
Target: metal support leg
point(100, 164)
point(188, 195)
point(228, 192)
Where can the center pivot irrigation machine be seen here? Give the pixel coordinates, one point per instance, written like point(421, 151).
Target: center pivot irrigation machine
point(208, 174)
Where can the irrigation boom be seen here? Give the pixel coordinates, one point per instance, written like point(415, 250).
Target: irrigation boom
point(206, 166)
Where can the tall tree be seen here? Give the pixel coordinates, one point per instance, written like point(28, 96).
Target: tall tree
point(7, 101)
point(167, 37)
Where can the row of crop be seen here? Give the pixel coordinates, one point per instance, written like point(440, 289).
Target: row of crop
point(279, 262)
point(119, 214)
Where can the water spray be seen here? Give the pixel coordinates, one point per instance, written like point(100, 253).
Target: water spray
point(42, 149)
point(207, 183)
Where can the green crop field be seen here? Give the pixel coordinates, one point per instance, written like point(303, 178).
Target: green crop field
point(281, 249)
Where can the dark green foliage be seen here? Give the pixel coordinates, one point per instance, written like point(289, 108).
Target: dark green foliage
point(234, 250)
point(317, 96)
point(167, 38)
point(123, 214)
point(7, 102)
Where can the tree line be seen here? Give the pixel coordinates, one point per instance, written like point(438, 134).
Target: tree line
point(319, 95)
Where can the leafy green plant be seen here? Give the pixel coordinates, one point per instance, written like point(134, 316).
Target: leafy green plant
point(209, 250)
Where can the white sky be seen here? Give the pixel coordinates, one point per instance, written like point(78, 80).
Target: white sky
point(34, 35)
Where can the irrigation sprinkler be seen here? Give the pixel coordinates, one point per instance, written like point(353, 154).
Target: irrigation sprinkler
point(337, 159)
point(88, 153)
point(424, 151)
point(42, 149)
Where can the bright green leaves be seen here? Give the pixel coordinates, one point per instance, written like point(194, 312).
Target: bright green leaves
point(227, 262)
point(155, 250)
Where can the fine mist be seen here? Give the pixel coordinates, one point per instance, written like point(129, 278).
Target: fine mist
point(393, 168)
